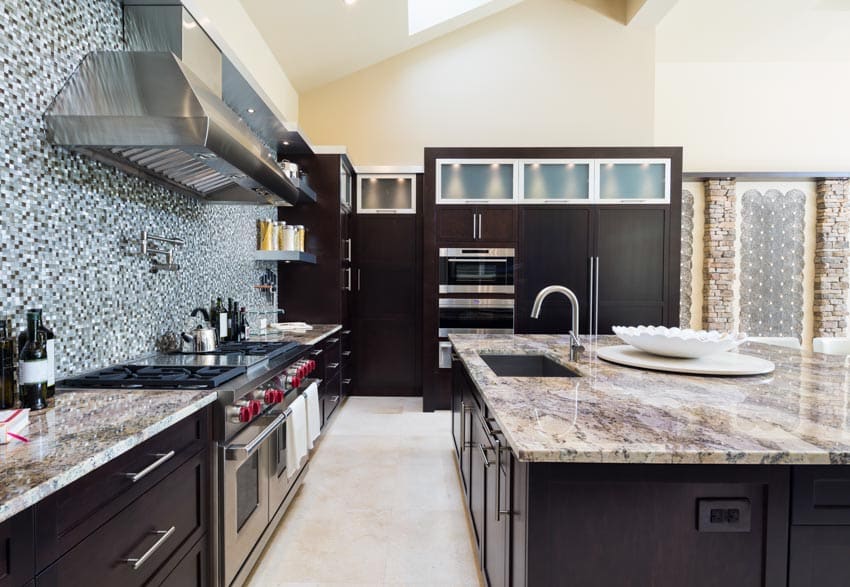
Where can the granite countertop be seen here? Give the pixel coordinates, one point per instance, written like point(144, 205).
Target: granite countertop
point(309, 337)
point(85, 430)
point(799, 414)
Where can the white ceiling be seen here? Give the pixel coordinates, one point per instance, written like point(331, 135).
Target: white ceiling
point(319, 41)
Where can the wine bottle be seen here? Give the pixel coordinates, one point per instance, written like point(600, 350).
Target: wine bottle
point(33, 366)
point(8, 387)
point(243, 324)
point(221, 321)
point(51, 348)
point(234, 322)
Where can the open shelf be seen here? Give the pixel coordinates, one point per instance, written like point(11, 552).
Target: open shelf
point(288, 256)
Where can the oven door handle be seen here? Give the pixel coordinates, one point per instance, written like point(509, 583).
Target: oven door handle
point(240, 452)
point(478, 261)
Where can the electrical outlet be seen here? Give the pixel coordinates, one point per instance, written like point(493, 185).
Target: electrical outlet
point(723, 515)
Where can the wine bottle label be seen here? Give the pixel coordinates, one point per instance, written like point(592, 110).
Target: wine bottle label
point(33, 372)
point(222, 324)
point(51, 362)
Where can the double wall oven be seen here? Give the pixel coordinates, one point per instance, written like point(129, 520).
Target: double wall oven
point(488, 273)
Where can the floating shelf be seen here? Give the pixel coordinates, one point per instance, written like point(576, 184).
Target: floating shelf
point(288, 256)
point(305, 192)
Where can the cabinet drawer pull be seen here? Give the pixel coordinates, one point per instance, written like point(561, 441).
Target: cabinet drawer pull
point(333, 365)
point(164, 535)
point(334, 399)
point(487, 462)
point(346, 353)
point(346, 332)
point(333, 340)
point(347, 381)
point(162, 458)
point(316, 353)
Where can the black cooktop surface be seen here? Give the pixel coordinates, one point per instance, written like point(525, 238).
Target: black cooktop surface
point(156, 377)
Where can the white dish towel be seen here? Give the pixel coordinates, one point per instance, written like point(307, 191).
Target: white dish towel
point(296, 436)
point(314, 416)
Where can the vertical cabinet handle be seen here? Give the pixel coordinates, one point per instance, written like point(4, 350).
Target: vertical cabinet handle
point(596, 301)
point(348, 250)
point(590, 299)
point(358, 279)
point(347, 286)
point(464, 410)
point(474, 226)
point(480, 226)
point(487, 462)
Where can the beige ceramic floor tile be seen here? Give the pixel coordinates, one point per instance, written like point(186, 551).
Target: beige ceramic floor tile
point(381, 505)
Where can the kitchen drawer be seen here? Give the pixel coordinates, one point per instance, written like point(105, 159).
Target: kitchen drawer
point(330, 399)
point(345, 346)
point(191, 571)
point(347, 379)
point(179, 504)
point(818, 556)
point(17, 550)
point(333, 357)
point(820, 496)
point(68, 516)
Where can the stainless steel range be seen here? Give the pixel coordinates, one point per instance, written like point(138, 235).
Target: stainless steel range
point(256, 384)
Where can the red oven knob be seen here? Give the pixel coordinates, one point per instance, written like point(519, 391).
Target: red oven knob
point(304, 370)
point(269, 396)
point(244, 414)
point(294, 381)
point(255, 406)
point(313, 365)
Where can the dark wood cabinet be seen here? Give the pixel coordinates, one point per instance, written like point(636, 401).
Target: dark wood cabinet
point(192, 570)
point(387, 304)
point(17, 552)
point(818, 556)
point(476, 225)
point(496, 526)
point(555, 246)
point(633, 267)
point(479, 462)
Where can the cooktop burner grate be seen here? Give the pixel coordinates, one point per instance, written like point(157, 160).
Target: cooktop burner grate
point(148, 377)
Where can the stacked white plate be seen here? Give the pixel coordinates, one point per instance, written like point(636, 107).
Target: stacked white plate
point(678, 342)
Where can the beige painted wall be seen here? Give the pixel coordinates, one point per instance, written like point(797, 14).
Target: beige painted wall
point(546, 72)
point(759, 85)
point(229, 26)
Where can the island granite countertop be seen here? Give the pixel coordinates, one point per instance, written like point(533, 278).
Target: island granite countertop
point(799, 414)
point(84, 430)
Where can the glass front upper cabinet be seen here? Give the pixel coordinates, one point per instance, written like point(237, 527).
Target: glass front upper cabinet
point(344, 186)
point(476, 180)
point(633, 180)
point(386, 194)
point(556, 180)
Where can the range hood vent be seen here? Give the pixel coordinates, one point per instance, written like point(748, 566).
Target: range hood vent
point(148, 114)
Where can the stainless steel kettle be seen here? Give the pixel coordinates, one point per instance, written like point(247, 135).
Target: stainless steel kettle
point(202, 338)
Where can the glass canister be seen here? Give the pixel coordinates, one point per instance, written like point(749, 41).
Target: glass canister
point(281, 236)
point(264, 230)
point(290, 238)
point(301, 237)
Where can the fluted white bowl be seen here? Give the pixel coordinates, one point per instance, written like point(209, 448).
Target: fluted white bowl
point(678, 342)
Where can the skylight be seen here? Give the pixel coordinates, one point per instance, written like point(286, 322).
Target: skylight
point(424, 14)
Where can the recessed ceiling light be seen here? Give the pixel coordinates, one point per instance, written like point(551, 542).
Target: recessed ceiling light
point(349, 2)
point(250, 110)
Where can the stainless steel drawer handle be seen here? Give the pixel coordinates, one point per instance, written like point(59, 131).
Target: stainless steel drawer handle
point(334, 399)
point(333, 365)
point(487, 462)
point(347, 381)
point(346, 332)
point(164, 535)
point(346, 353)
point(316, 353)
point(161, 460)
point(333, 340)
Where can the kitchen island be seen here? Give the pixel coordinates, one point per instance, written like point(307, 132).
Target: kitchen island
point(622, 476)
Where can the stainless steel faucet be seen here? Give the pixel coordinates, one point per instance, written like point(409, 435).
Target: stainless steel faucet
point(575, 342)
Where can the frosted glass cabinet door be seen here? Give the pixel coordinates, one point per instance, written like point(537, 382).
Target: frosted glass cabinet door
point(344, 186)
point(464, 181)
point(386, 194)
point(634, 180)
point(555, 181)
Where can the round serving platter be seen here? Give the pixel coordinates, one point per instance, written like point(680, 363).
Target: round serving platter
point(729, 364)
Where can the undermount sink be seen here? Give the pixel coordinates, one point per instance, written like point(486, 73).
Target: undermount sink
point(527, 366)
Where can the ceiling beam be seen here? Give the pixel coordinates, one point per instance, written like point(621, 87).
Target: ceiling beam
point(647, 13)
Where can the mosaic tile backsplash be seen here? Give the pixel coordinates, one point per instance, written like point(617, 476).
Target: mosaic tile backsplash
point(67, 223)
point(772, 258)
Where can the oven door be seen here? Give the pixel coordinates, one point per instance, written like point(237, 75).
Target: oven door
point(280, 481)
point(477, 271)
point(245, 504)
point(476, 316)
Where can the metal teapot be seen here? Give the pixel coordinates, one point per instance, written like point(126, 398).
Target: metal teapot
point(202, 338)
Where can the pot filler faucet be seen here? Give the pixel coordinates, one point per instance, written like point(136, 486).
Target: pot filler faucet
point(575, 341)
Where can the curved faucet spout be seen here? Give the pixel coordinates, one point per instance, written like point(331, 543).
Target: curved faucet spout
point(575, 342)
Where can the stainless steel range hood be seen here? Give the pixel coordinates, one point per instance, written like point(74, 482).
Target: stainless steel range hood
point(148, 113)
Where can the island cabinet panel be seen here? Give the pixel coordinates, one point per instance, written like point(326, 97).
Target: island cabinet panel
point(17, 553)
point(555, 249)
point(636, 525)
point(73, 513)
point(819, 556)
point(821, 496)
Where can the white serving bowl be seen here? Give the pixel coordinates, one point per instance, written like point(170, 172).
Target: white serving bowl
point(677, 342)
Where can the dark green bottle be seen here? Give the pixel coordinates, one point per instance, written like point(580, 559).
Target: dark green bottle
point(33, 366)
point(8, 386)
point(50, 341)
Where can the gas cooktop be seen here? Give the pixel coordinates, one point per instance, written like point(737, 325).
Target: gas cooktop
point(155, 377)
